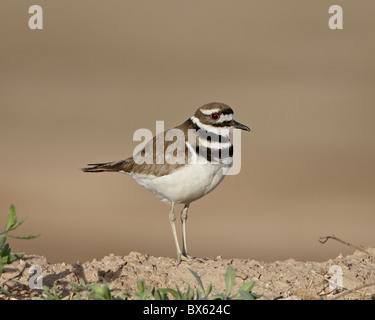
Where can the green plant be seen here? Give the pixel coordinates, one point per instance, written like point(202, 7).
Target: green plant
point(244, 293)
point(12, 223)
point(96, 291)
point(52, 293)
point(93, 291)
point(143, 292)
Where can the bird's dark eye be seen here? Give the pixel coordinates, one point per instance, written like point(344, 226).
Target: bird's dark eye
point(215, 116)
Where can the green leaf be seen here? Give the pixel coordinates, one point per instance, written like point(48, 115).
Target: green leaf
point(246, 295)
point(179, 292)
point(198, 294)
point(78, 287)
point(156, 294)
point(14, 257)
point(101, 292)
point(12, 218)
point(198, 278)
point(17, 224)
point(159, 294)
point(141, 285)
point(248, 286)
point(229, 279)
point(5, 291)
point(3, 238)
point(52, 293)
point(24, 237)
point(219, 296)
point(209, 289)
point(188, 295)
point(145, 294)
point(5, 250)
point(174, 293)
point(256, 295)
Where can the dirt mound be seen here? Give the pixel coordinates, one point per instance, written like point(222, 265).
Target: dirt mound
point(288, 279)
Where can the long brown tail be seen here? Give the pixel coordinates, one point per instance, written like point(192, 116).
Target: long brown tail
point(115, 166)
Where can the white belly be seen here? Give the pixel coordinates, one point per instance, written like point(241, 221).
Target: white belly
point(186, 184)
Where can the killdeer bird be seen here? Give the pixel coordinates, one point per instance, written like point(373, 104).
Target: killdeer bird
point(206, 158)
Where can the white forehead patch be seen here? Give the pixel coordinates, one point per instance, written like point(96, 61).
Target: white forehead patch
point(208, 112)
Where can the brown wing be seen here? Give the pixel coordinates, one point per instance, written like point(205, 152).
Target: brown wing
point(163, 154)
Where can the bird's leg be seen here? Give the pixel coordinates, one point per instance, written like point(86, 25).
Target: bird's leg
point(172, 219)
point(184, 216)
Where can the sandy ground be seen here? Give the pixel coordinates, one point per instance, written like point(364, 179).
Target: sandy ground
point(288, 279)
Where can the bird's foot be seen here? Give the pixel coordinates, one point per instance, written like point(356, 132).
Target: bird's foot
point(185, 257)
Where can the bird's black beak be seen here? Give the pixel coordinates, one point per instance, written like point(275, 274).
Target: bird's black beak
point(241, 126)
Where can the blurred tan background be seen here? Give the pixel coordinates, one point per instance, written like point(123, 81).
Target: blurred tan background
point(75, 92)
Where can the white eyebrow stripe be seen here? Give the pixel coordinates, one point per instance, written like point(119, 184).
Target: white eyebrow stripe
point(208, 112)
point(225, 117)
point(221, 131)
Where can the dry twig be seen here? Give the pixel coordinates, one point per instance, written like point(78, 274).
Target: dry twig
point(326, 238)
point(364, 285)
